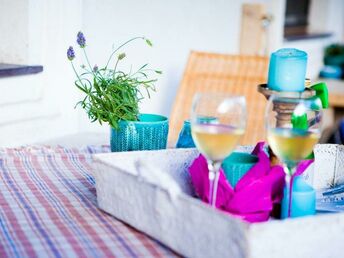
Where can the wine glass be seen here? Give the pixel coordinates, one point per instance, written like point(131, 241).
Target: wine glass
point(293, 128)
point(217, 123)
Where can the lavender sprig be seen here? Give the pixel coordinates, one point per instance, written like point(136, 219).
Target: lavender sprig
point(81, 39)
point(70, 53)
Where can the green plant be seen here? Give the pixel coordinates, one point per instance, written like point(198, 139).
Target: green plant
point(334, 55)
point(112, 95)
point(334, 50)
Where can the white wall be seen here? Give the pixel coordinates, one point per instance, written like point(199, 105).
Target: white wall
point(328, 15)
point(14, 17)
point(175, 27)
point(38, 107)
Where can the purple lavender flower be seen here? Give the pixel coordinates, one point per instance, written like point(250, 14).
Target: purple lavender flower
point(81, 39)
point(95, 68)
point(70, 53)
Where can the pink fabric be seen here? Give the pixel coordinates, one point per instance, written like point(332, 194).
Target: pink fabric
point(253, 197)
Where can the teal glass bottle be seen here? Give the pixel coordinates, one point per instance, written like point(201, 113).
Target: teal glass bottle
point(185, 138)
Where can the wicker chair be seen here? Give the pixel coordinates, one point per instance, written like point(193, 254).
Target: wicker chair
point(234, 74)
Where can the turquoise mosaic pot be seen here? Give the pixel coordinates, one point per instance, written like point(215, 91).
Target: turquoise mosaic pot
point(149, 133)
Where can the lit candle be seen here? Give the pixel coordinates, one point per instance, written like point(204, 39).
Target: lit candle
point(287, 70)
point(303, 199)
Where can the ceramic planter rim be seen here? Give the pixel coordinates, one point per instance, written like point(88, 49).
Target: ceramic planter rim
point(163, 120)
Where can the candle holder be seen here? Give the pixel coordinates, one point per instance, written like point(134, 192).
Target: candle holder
point(284, 110)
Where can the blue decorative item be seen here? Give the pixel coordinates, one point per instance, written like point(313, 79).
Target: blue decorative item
point(149, 133)
point(303, 199)
point(341, 131)
point(236, 165)
point(185, 138)
point(287, 70)
point(331, 71)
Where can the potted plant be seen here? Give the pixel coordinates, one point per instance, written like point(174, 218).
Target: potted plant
point(112, 96)
point(334, 55)
point(334, 59)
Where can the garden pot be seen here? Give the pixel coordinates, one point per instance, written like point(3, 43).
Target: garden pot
point(149, 133)
point(337, 60)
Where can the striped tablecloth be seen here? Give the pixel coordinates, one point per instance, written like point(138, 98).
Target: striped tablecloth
point(48, 208)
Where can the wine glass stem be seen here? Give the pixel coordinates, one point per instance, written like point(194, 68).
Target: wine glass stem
point(289, 184)
point(213, 167)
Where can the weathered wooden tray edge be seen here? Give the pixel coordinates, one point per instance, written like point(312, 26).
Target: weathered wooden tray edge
point(176, 223)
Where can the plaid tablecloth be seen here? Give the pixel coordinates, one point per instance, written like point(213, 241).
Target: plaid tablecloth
point(48, 208)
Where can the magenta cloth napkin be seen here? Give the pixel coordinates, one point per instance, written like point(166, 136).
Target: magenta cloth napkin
point(253, 197)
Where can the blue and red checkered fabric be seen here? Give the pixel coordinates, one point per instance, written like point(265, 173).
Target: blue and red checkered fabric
point(48, 208)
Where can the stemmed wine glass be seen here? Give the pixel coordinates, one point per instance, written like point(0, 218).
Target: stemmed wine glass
point(293, 128)
point(217, 123)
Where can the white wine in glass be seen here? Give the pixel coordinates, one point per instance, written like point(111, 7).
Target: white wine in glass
point(217, 124)
point(292, 145)
point(216, 141)
point(293, 128)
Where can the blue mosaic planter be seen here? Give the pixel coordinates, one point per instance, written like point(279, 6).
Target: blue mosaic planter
point(149, 133)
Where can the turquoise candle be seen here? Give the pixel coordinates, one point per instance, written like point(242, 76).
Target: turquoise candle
point(287, 70)
point(236, 165)
point(303, 199)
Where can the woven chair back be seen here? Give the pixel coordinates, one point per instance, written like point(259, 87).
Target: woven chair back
point(233, 74)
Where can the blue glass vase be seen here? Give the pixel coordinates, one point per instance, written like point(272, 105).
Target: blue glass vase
point(149, 133)
point(185, 138)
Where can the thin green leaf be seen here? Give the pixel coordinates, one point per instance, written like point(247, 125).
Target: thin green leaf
point(149, 43)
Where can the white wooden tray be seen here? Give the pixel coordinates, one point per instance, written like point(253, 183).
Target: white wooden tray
point(151, 203)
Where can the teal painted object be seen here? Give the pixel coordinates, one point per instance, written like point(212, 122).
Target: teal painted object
point(236, 165)
point(185, 138)
point(287, 70)
point(149, 133)
point(303, 199)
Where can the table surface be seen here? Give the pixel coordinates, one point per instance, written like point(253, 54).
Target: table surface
point(48, 208)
